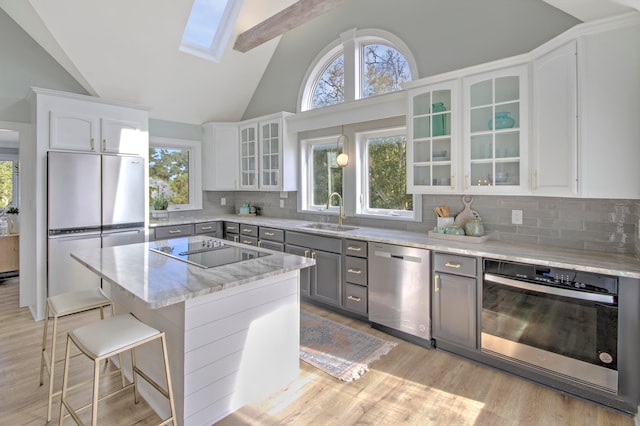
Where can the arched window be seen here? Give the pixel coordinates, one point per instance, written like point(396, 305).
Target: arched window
point(361, 64)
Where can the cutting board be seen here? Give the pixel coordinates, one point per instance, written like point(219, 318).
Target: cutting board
point(467, 213)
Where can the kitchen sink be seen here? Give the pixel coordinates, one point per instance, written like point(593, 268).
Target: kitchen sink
point(329, 227)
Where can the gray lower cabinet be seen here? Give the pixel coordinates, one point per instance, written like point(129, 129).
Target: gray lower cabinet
point(173, 231)
point(305, 274)
point(232, 231)
point(454, 310)
point(213, 229)
point(271, 238)
point(325, 280)
point(355, 276)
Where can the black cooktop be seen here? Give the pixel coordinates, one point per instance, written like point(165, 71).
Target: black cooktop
point(207, 254)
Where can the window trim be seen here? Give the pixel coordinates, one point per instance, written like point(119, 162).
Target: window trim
point(306, 186)
point(350, 43)
point(221, 36)
point(15, 187)
point(195, 174)
point(362, 195)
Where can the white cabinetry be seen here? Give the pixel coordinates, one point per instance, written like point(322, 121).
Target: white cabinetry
point(496, 130)
point(555, 150)
point(432, 151)
point(253, 155)
point(609, 104)
point(83, 125)
point(249, 156)
point(219, 154)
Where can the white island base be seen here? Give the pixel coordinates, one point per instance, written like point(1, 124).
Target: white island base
point(226, 349)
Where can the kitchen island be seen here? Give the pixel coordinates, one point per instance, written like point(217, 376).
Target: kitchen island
point(232, 330)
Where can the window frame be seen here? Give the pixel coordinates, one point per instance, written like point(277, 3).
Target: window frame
point(15, 181)
point(350, 45)
point(362, 168)
point(306, 149)
point(220, 37)
point(195, 173)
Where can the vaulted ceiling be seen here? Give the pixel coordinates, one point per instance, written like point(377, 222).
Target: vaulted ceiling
point(128, 51)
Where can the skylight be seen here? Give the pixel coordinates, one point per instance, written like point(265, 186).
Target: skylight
point(209, 27)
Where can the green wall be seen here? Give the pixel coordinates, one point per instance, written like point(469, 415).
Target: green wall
point(442, 35)
point(23, 64)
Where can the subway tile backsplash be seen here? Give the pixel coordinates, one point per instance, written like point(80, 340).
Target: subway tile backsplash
point(593, 224)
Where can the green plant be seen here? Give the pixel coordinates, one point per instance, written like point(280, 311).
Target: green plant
point(12, 210)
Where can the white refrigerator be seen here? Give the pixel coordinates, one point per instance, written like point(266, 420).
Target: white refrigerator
point(94, 201)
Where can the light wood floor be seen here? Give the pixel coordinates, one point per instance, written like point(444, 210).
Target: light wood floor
point(409, 386)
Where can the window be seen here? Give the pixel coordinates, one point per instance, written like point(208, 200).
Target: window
point(384, 69)
point(174, 174)
point(382, 175)
point(8, 180)
point(382, 63)
point(209, 27)
point(329, 88)
point(322, 174)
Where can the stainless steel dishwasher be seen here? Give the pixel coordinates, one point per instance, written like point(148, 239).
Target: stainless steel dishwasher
point(399, 291)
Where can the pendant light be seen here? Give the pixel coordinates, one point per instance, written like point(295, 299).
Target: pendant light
point(342, 159)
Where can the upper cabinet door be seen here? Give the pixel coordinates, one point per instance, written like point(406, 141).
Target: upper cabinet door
point(555, 149)
point(121, 137)
point(432, 148)
point(249, 156)
point(73, 131)
point(270, 154)
point(496, 131)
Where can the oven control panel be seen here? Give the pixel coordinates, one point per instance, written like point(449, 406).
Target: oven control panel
point(558, 277)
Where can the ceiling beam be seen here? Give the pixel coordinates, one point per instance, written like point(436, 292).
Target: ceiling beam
point(297, 14)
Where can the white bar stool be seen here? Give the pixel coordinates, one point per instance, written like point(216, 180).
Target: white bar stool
point(103, 339)
point(62, 305)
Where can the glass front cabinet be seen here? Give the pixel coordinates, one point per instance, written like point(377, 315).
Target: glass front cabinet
point(249, 156)
point(432, 148)
point(495, 131)
point(270, 154)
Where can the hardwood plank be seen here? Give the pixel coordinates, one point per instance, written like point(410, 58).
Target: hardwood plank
point(415, 386)
point(297, 14)
point(410, 386)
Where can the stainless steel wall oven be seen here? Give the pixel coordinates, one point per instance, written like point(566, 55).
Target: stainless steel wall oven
point(558, 321)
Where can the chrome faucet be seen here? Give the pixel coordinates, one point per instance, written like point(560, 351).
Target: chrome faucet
point(341, 217)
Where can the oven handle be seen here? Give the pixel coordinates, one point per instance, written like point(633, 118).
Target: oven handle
point(602, 298)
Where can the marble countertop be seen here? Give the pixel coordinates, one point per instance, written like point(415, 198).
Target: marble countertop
point(585, 260)
point(158, 280)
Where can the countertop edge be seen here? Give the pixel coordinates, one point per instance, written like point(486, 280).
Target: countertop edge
point(622, 265)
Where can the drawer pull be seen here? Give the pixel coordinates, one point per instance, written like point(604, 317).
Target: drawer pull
point(206, 228)
point(453, 265)
point(259, 243)
point(269, 234)
point(354, 271)
point(235, 238)
point(247, 242)
point(247, 230)
point(354, 248)
point(437, 283)
point(355, 299)
point(306, 253)
point(231, 228)
point(175, 231)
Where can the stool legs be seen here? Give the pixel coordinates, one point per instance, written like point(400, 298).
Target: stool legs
point(50, 362)
point(88, 346)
